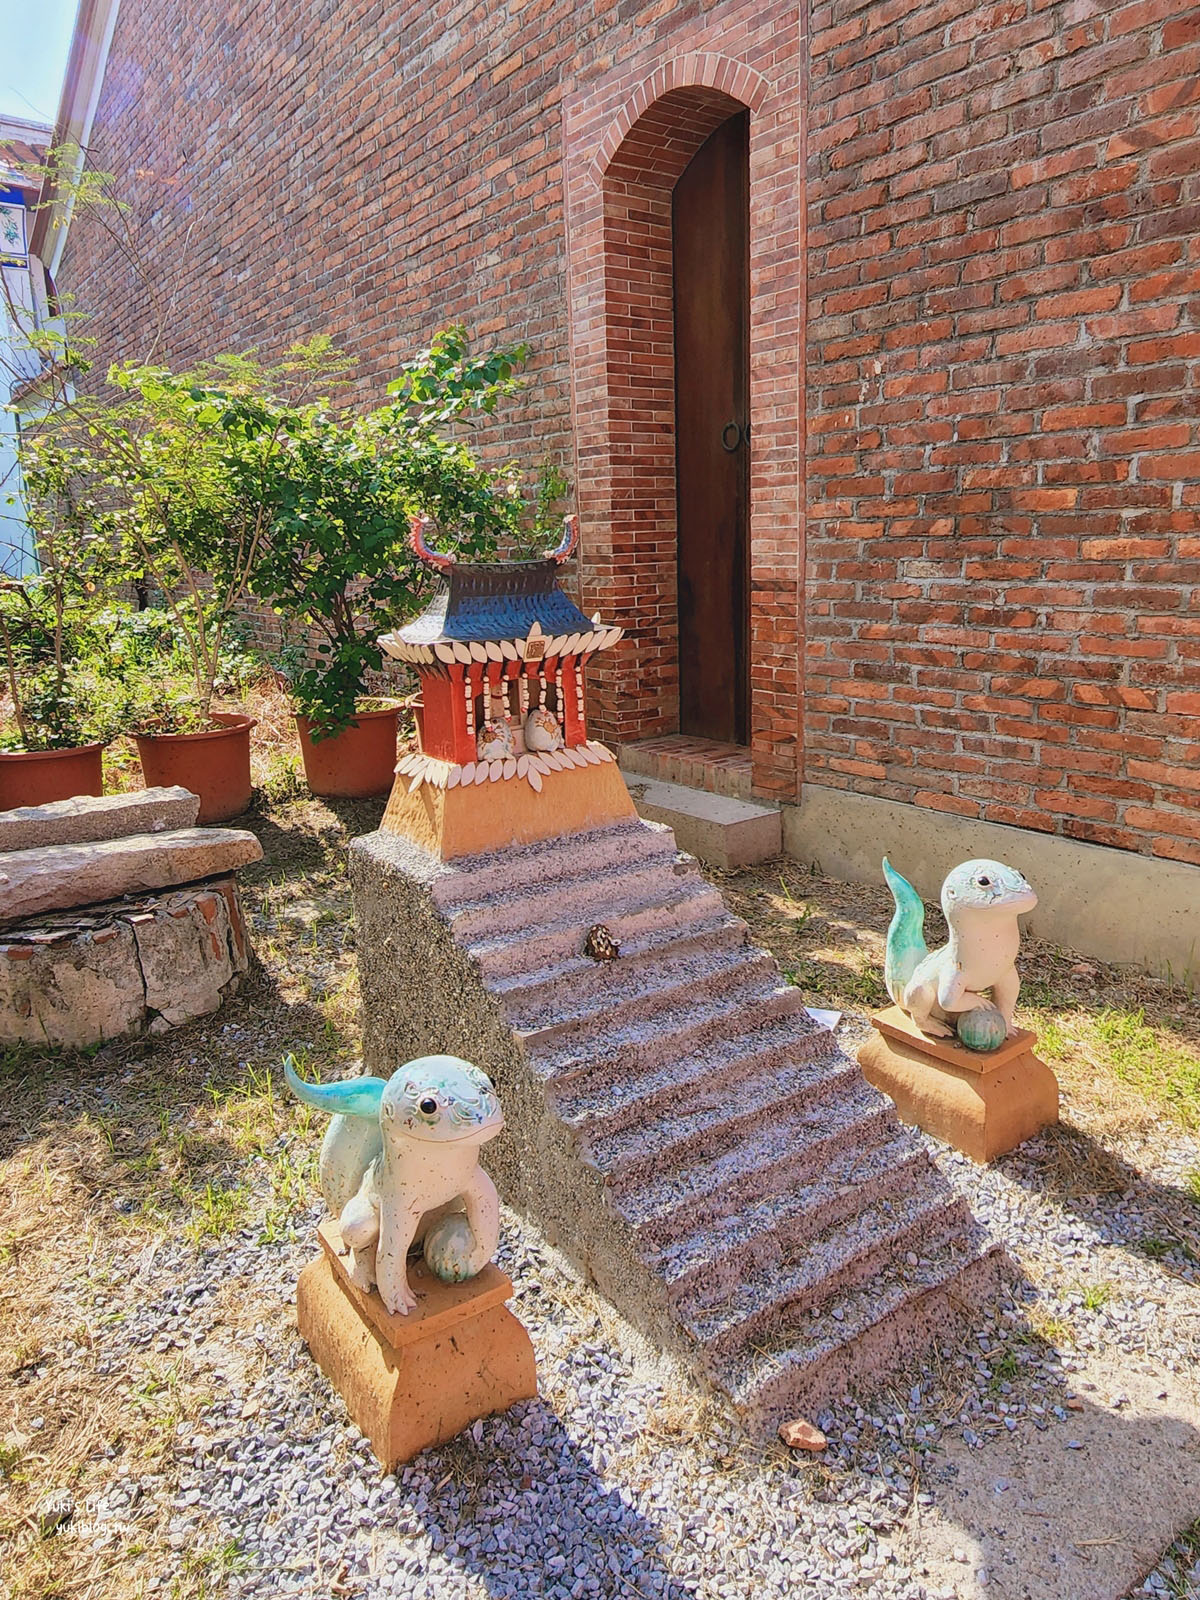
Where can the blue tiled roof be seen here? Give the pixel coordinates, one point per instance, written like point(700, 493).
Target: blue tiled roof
point(500, 600)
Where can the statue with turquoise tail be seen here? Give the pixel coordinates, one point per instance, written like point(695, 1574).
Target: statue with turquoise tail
point(400, 1168)
point(969, 985)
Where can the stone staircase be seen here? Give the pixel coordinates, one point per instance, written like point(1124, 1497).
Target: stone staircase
point(677, 1123)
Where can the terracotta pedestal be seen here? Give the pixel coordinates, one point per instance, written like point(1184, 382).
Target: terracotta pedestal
point(981, 1102)
point(415, 1381)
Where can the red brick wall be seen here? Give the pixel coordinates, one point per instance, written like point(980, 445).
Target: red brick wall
point(1002, 278)
point(1004, 467)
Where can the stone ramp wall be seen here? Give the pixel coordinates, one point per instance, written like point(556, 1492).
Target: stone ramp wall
point(676, 1124)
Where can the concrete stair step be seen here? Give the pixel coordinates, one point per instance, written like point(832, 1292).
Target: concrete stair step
point(689, 1021)
point(691, 761)
point(587, 897)
point(537, 869)
point(770, 1160)
point(809, 1360)
point(637, 995)
point(673, 906)
point(721, 1116)
point(552, 988)
point(600, 1109)
point(846, 1256)
point(718, 828)
point(719, 1254)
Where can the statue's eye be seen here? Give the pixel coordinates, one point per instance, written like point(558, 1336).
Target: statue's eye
point(984, 883)
point(428, 1105)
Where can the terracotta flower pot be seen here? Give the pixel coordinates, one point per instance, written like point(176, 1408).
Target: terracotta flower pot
point(214, 764)
point(33, 777)
point(355, 764)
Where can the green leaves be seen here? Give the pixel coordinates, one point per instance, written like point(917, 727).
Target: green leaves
point(242, 478)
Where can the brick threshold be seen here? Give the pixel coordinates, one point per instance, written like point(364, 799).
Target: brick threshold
point(696, 763)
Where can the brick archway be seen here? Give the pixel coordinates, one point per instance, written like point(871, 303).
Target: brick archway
point(626, 142)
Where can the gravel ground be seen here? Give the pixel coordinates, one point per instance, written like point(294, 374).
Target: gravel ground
point(618, 1481)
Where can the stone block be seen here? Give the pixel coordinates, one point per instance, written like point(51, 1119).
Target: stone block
point(470, 820)
point(73, 994)
point(67, 875)
point(188, 955)
point(413, 1381)
point(716, 828)
point(982, 1103)
point(77, 979)
point(86, 818)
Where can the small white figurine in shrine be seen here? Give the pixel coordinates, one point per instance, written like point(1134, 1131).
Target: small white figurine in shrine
point(542, 731)
point(970, 985)
point(494, 740)
point(400, 1168)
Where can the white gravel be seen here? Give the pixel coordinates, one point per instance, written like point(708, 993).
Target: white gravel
point(617, 1482)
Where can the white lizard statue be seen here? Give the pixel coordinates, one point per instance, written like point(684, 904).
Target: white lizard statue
point(976, 969)
point(400, 1167)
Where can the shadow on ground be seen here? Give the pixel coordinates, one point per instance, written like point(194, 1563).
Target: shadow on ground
point(1066, 1165)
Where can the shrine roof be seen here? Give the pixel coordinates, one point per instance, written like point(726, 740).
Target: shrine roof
point(494, 601)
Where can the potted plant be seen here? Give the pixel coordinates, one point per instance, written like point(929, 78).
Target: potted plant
point(333, 558)
point(64, 700)
point(189, 536)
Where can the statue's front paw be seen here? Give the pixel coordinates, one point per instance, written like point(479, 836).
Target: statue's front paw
point(394, 1289)
point(401, 1300)
point(935, 1029)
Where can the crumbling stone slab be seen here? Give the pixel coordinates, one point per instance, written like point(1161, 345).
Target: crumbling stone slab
point(67, 875)
point(89, 817)
point(74, 980)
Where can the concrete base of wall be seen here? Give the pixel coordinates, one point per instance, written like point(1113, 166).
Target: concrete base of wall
point(1107, 903)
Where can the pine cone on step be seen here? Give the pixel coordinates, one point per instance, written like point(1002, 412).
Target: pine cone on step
point(600, 944)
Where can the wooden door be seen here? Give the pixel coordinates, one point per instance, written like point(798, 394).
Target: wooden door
point(711, 229)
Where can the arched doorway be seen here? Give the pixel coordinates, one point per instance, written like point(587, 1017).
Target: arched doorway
point(710, 223)
point(633, 156)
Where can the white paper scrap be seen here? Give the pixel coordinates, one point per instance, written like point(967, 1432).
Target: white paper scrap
point(827, 1019)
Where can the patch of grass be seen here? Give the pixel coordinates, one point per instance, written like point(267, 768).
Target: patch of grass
point(1155, 1249)
point(1006, 1367)
point(1149, 1057)
point(216, 1211)
point(1096, 1296)
point(1191, 1184)
point(203, 1572)
point(1049, 1329)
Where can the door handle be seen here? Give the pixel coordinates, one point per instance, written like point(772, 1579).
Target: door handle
point(733, 434)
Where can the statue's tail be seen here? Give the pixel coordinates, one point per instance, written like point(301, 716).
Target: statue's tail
point(352, 1097)
point(906, 947)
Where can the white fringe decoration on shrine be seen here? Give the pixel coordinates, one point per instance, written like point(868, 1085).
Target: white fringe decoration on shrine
point(421, 768)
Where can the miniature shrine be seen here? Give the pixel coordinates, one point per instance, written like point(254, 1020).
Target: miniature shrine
point(500, 654)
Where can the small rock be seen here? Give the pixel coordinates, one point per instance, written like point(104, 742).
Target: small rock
point(1074, 1403)
point(801, 1435)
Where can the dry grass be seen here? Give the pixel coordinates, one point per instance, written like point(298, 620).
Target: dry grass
point(106, 1156)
